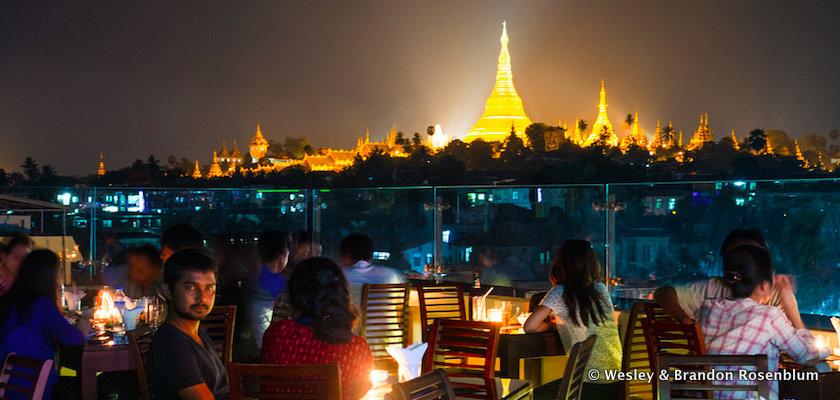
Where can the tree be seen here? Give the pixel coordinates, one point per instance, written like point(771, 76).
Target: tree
point(30, 169)
point(628, 122)
point(582, 125)
point(297, 147)
point(536, 135)
point(757, 140)
point(667, 135)
point(430, 130)
point(416, 141)
point(400, 140)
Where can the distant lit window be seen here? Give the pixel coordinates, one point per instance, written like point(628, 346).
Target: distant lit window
point(515, 195)
point(481, 196)
point(672, 203)
point(381, 255)
point(467, 252)
point(471, 196)
point(740, 201)
point(259, 195)
point(446, 235)
point(658, 204)
point(64, 198)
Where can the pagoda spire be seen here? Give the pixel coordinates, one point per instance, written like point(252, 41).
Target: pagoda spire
point(197, 171)
point(215, 169)
point(503, 105)
point(735, 141)
point(602, 122)
point(101, 170)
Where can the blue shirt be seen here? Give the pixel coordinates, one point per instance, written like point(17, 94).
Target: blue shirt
point(36, 334)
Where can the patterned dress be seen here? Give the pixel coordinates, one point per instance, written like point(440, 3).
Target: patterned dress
point(288, 342)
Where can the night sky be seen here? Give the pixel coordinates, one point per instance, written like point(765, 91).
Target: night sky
point(176, 78)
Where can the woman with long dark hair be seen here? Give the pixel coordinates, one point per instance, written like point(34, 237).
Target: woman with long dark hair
point(31, 321)
point(582, 307)
point(322, 330)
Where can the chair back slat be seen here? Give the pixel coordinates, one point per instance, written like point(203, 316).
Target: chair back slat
point(669, 390)
point(32, 373)
point(571, 386)
point(434, 385)
point(439, 301)
point(669, 336)
point(219, 325)
point(140, 341)
point(462, 348)
point(274, 381)
point(383, 320)
point(635, 354)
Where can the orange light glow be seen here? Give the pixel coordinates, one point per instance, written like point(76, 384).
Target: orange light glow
point(105, 309)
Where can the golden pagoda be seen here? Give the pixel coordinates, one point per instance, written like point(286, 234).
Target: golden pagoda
point(637, 133)
point(504, 107)
point(602, 123)
point(101, 170)
point(215, 169)
point(197, 172)
point(259, 146)
point(735, 141)
point(702, 135)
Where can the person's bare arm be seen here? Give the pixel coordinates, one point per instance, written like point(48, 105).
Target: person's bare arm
point(666, 297)
point(787, 301)
point(196, 392)
point(536, 321)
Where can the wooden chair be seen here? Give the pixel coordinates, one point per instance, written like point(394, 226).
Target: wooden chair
point(219, 325)
point(383, 320)
point(571, 386)
point(635, 352)
point(140, 340)
point(274, 381)
point(434, 385)
point(30, 376)
point(672, 337)
point(464, 349)
point(668, 361)
point(440, 301)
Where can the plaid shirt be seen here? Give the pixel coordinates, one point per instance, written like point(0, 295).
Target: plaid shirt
point(744, 327)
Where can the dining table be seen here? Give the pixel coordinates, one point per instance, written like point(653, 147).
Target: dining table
point(498, 388)
point(93, 358)
point(825, 384)
point(516, 346)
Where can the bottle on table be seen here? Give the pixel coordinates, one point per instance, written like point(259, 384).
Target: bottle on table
point(119, 327)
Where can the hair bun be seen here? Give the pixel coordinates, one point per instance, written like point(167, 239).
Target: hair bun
point(732, 276)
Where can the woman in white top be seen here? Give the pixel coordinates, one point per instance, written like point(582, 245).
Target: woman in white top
point(582, 307)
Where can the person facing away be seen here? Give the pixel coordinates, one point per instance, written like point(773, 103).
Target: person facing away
point(683, 302)
point(145, 272)
point(306, 245)
point(32, 322)
point(356, 255)
point(265, 285)
point(178, 237)
point(743, 325)
point(183, 362)
point(11, 257)
point(321, 332)
point(582, 307)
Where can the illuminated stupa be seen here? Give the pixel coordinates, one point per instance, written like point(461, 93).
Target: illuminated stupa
point(602, 125)
point(504, 107)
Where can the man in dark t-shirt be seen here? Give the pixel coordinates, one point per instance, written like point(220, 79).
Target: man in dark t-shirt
point(183, 363)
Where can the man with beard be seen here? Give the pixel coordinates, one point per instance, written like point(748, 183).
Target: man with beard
point(184, 364)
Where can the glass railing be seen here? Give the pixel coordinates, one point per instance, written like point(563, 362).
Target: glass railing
point(646, 235)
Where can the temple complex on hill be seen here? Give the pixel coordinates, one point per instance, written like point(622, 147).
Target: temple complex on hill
point(503, 112)
point(503, 115)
